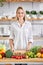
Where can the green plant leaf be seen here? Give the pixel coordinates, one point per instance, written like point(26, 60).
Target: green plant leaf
point(27, 12)
point(41, 12)
point(33, 12)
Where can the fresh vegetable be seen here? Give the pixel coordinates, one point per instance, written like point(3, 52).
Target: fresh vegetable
point(0, 56)
point(2, 48)
point(35, 56)
point(38, 54)
point(41, 55)
point(27, 57)
point(3, 54)
point(35, 49)
point(41, 50)
point(9, 53)
point(17, 56)
point(30, 54)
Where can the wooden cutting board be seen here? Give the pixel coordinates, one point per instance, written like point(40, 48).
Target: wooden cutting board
point(22, 60)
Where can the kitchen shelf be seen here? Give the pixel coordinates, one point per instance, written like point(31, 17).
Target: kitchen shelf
point(10, 60)
point(6, 19)
point(4, 38)
point(35, 19)
point(15, 19)
point(36, 38)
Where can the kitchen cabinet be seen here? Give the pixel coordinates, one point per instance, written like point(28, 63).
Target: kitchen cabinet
point(41, 0)
point(19, 0)
point(36, 0)
point(8, 0)
point(22, 0)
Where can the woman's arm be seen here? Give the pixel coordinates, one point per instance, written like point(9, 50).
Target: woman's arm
point(11, 38)
point(11, 44)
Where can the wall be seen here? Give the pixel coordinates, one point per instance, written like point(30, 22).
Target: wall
point(10, 9)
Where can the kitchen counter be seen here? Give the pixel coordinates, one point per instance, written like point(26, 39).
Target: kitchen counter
point(13, 61)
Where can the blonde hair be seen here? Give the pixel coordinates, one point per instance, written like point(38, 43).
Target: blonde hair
point(17, 11)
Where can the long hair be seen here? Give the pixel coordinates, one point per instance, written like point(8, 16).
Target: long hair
point(17, 11)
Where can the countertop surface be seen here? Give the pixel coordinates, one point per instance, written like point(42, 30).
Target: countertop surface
point(21, 60)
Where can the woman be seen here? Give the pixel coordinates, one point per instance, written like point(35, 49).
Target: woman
point(21, 36)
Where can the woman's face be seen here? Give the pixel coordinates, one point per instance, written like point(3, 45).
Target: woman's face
point(20, 14)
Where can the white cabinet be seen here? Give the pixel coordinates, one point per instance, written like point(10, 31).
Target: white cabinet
point(36, 30)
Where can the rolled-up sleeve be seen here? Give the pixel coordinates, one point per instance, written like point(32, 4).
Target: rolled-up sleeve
point(30, 36)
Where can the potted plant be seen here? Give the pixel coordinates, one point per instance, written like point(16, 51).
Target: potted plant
point(28, 14)
point(33, 14)
point(41, 14)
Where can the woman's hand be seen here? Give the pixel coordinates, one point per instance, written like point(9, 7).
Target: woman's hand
point(12, 49)
point(28, 46)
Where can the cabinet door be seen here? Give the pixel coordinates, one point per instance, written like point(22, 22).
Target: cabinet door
point(24, 0)
point(36, 0)
point(11, 0)
point(41, 0)
point(28, 0)
point(8, 0)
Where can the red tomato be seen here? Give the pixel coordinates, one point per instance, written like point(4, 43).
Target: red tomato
point(17, 57)
point(3, 54)
point(23, 56)
point(13, 56)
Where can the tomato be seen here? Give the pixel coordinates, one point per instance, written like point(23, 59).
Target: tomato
point(17, 57)
point(41, 50)
point(3, 54)
point(23, 56)
point(13, 56)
